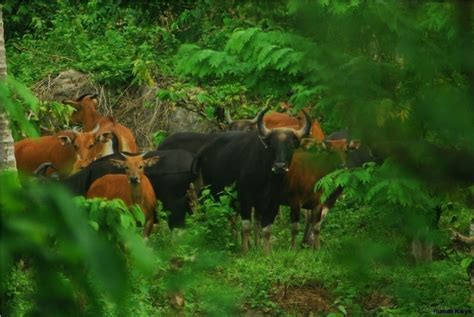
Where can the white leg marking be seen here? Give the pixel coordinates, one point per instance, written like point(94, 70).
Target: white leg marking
point(267, 232)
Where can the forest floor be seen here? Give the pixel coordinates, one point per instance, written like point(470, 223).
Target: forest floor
point(361, 269)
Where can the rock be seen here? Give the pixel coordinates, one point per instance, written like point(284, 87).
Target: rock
point(184, 120)
point(68, 84)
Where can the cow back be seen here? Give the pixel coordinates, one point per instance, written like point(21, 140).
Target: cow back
point(31, 153)
point(237, 157)
point(80, 182)
point(189, 141)
point(111, 187)
point(125, 138)
point(117, 186)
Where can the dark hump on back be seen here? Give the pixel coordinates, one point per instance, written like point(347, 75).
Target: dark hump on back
point(189, 141)
point(171, 162)
point(339, 135)
point(80, 182)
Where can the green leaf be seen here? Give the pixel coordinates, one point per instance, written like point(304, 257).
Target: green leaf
point(94, 225)
point(466, 262)
point(342, 309)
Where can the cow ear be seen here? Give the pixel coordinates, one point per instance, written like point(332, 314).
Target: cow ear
point(94, 99)
point(354, 144)
point(73, 103)
point(117, 163)
point(106, 136)
point(64, 139)
point(307, 143)
point(151, 161)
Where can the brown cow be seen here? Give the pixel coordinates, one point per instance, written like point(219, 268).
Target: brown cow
point(31, 153)
point(276, 120)
point(85, 111)
point(109, 129)
point(307, 168)
point(87, 146)
point(86, 114)
point(101, 142)
point(133, 188)
point(90, 145)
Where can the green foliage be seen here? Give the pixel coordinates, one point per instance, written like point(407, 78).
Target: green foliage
point(214, 219)
point(191, 258)
point(249, 56)
point(159, 136)
point(388, 191)
point(16, 100)
point(118, 224)
point(392, 72)
point(108, 40)
point(67, 257)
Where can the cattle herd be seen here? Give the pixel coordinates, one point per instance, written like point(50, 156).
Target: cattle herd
point(274, 159)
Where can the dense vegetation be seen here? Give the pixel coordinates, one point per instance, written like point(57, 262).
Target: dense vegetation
point(398, 74)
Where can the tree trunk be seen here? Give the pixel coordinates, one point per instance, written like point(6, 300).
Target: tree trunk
point(7, 153)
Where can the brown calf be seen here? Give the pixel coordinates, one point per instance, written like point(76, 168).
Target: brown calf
point(133, 188)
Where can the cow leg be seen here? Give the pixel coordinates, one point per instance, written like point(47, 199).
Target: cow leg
point(246, 214)
point(310, 216)
point(178, 207)
point(267, 232)
point(317, 227)
point(257, 227)
point(268, 217)
point(246, 227)
point(295, 225)
point(321, 214)
point(147, 228)
point(427, 251)
point(257, 223)
point(422, 249)
point(233, 225)
point(416, 249)
point(192, 197)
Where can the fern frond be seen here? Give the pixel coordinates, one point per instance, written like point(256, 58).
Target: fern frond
point(239, 39)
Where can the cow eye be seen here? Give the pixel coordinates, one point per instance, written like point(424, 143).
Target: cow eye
point(140, 167)
point(91, 145)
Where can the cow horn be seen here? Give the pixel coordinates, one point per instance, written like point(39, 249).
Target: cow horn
point(97, 127)
point(41, 170)
point(227, 116)
point(304, 131)
point(254, 120)
point(76, 129)
point(262, 129)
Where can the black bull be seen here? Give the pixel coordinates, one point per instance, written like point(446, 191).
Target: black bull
point(257, 163)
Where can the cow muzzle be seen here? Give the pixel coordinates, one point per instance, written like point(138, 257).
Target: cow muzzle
point(280, 168)
point(134, 180)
